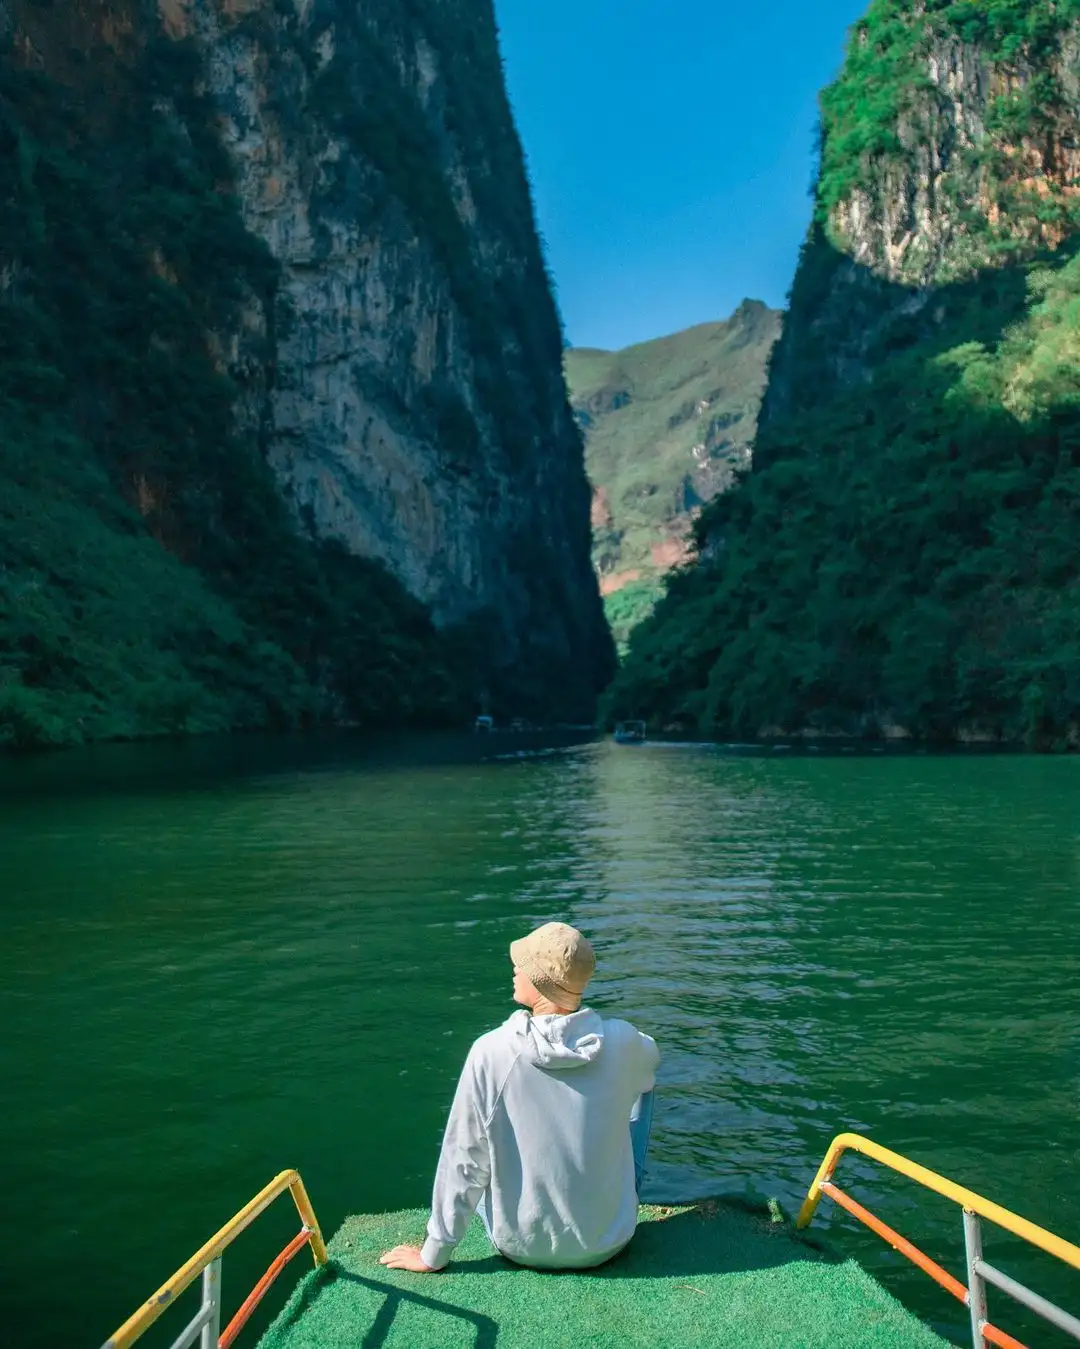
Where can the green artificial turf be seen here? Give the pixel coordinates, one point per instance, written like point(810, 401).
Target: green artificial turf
point(709, 1275)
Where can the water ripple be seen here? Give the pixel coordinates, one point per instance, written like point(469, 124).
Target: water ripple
point(207, 977)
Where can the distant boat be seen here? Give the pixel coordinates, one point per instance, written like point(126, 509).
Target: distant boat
point(484, 724)
point(630, 733)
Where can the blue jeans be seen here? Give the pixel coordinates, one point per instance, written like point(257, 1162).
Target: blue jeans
point(640, 1124)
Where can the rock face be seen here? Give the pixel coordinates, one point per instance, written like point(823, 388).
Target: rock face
point(902, 557)
point(403, 379)
point(667, 425)
point(973, 170)
point(950, 144)
point(374, 326)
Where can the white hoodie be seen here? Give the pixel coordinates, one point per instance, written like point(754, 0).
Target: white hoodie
point(540, 1133)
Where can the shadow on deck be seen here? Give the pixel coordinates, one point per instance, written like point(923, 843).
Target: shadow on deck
point(712, 1274)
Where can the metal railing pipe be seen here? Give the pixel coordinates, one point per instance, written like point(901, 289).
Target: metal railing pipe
point(1003, 1217)
point(194, 1327)
point(897, 1242)
point(307, 1217)
point(976, 1288)
point(1050, 1311)
point(257, 1294)
point(137, 1324)
point(983, 1332)
point(211, 1291)
point(996, 1336)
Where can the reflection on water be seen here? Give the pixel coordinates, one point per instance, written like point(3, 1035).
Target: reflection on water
point(213, 967)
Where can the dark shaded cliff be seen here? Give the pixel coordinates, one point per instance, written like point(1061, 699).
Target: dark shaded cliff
point(285, 434)
point(902, 559)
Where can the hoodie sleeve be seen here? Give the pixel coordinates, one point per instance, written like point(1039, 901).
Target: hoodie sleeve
point(464, 1169)
point(650, 1061)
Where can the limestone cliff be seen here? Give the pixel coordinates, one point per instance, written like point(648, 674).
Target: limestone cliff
point(397, 363)
point(667, 425)
point(901, 561)
point(950, 144)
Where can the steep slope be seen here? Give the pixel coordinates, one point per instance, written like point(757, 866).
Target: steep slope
point(948, 152)
point(666, 425)
point(902, 559)
point(283, 431)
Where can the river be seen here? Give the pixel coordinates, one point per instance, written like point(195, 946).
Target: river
point(222, 958)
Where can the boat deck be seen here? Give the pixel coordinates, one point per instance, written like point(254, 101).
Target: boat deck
point(707, 1275)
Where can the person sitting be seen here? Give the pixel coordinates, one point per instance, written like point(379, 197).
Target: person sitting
point(549, 1126)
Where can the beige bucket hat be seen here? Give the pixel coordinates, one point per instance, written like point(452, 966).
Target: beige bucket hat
point(558, 959)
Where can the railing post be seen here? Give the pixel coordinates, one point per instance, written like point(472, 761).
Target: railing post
point(307, 1217)
point(976, 1283)
point(825, 1172)
point(211, 1293)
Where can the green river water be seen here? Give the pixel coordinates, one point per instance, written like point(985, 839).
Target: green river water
point(224, 958)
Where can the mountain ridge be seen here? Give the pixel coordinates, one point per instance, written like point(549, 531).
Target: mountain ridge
point(278, 345)
point(900, 560)
point(667, 423)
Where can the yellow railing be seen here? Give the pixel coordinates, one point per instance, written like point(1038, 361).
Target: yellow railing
point(206, 1261)
point(974, 1207)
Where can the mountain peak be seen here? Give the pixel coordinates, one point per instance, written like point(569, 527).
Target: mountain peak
point(667, 423)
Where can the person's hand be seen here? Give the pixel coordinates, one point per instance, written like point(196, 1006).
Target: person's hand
point(405, 1257)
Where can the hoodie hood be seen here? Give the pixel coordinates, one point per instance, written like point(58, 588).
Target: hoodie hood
point(558, 1042)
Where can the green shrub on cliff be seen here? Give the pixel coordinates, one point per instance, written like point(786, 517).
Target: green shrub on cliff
point(628, 607)
point(906, 554)
point(884, 107)
point(665, 422)
point(903, 553)
point(151, 580)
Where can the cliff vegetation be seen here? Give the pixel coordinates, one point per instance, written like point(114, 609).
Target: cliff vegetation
point(902, 558)
point(160, 572)
point(667, 424)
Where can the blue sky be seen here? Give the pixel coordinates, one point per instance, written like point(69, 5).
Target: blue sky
point(670, 147)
